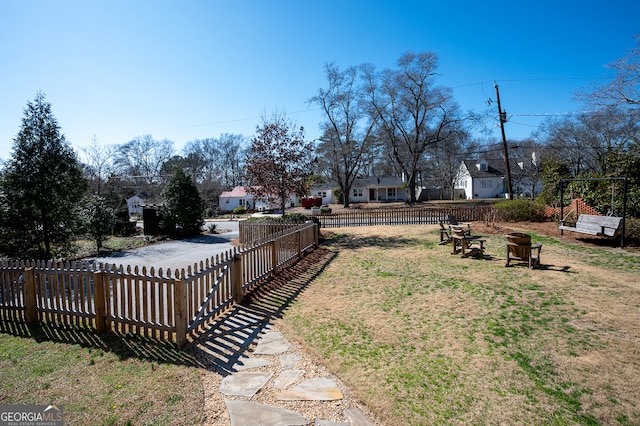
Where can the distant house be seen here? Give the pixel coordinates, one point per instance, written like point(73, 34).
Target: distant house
point(324, 190)
point(487, 178)
point(135, 205)
point(239, 196)
point(366, 190)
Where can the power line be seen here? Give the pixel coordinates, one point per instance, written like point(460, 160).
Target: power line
point(188, 126)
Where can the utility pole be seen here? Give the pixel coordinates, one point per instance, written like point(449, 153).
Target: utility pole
point(503, 119)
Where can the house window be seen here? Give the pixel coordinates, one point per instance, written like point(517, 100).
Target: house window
point(486, 183)
point(391, 193)
point(357, 192)
point(241, 202)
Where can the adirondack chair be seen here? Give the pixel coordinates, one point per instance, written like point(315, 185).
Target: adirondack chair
point(446, 233)
point(453, 222)
point(465, 244)
point(519, 248)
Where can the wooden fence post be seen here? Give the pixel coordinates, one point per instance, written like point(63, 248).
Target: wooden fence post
point(29, 295)
point(99, 301)
point(236, 278)
point(299, 241)
point(316, 235)
point(180, 309)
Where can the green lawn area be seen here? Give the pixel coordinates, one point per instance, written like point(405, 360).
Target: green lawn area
point(426, 337)
point(99, 380)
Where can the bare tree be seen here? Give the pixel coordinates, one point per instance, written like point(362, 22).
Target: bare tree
point(205, 154)
point(442, 160)
point(99, 164)
point(589, 142)
point(231, 161)
point(141, 160)
point(221, 159)
point(413, 112)
point(624, 89)
point(349, 128)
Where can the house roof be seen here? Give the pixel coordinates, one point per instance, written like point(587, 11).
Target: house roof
point(495, 168)
point(378, 182)
point(366, 182)
point(237, 192)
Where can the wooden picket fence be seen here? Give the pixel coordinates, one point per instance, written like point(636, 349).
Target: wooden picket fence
point(403, 216)
point(159, 304)
point(255, 232)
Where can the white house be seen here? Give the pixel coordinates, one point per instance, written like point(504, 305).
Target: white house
point(486, 178)
point(366, 190)
point(324, 190)
point(239, 196)
point(135, 204)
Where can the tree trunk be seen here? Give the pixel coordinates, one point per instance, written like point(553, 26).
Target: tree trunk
point(412, 188)
point(345, 199)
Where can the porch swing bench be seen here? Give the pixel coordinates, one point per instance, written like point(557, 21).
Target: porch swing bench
point(595, 225)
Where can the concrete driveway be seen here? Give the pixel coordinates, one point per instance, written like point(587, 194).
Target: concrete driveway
point(177, 254)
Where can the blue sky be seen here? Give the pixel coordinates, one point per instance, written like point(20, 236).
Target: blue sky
point(196, 69)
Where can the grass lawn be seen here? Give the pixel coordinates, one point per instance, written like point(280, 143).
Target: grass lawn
point(99, 380)
point(424, 337)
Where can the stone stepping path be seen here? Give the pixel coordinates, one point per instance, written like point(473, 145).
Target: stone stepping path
point(251, 413)
point(242, 383)
point(313, 390)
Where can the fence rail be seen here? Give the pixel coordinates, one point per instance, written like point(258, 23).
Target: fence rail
point(403, 216)
point(163, 305)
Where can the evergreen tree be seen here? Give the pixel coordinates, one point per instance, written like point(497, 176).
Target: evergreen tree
point(41, 188)
point(183, 207)
point(98, 219)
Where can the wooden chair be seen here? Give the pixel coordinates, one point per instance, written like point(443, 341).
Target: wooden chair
point(446, 233)
point(462, 243)
point(453, 222)
point(519, 248)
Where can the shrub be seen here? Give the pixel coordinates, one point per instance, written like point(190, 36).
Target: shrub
point(212, 228)
point(296, 218)
point(632, 228)
point(519, 211)
point(325, 209)
point(208, 213)
point(338, 195)
point(239, 210)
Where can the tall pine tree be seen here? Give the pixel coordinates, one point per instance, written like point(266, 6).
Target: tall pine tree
point(41, 188)
point(183, 208)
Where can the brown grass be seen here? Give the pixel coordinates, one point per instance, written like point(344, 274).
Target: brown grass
point(424, 337)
